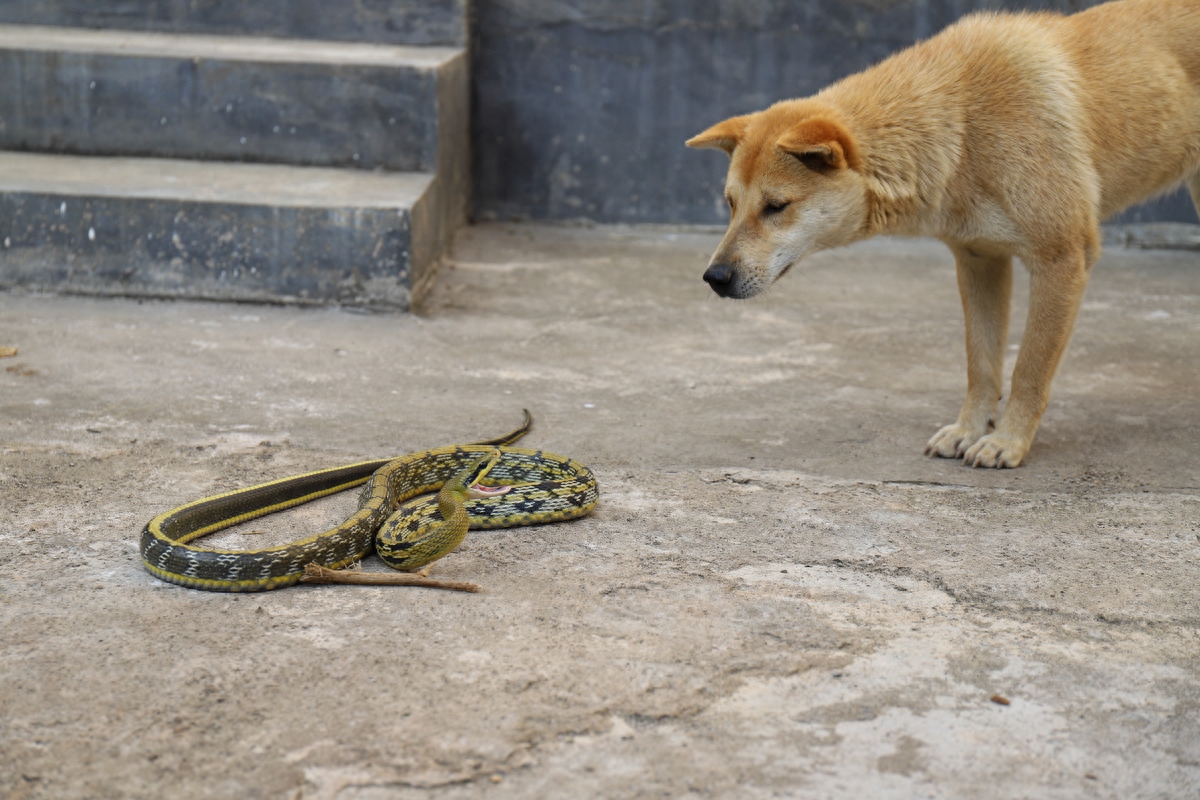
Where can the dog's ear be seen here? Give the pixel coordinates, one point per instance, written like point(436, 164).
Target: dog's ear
point(820, 144)
point(724, 135)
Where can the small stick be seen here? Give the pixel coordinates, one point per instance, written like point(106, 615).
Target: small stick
point(315, 573)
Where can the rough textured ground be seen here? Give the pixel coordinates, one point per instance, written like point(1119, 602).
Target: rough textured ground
point(778, 595)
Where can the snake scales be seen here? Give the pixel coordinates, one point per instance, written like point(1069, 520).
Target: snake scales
point(484, 485)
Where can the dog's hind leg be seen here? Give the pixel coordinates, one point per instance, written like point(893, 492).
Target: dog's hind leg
point(1057, 280)
point(985, 284)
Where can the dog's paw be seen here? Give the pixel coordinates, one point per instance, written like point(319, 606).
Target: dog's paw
point(997, 450)
point(952, 441)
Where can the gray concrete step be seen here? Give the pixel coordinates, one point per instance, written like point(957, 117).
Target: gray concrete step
point(382, 21)
point(175, 228)
point(232, 98)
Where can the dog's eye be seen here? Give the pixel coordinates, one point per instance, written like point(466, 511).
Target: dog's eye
point(774, 207)
point(729, 202)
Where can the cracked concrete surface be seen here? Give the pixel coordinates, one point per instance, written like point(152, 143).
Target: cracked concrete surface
point(778, 595)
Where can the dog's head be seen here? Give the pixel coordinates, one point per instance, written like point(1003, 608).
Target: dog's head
point(793, 188)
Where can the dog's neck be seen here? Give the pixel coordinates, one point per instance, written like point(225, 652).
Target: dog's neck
point(909, 140)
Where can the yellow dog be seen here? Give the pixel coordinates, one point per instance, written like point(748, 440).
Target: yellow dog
point(1004, 135)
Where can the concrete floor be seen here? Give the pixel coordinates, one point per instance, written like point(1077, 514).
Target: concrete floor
point(778, 596)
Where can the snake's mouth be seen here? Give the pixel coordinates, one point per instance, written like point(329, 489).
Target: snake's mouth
point(479, 490)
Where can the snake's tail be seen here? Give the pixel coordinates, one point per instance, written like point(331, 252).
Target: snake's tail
point(512, 436)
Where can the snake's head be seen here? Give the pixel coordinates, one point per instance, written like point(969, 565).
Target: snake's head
point(476, 472)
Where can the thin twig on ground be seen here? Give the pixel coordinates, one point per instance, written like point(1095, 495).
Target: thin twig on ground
point(315, 573)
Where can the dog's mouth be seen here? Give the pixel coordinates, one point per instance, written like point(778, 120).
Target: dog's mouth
point(784, 271)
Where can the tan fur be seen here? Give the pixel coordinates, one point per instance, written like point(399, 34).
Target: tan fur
point(1004, 135)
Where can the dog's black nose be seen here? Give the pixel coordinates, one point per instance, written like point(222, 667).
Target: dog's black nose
point(720, 278)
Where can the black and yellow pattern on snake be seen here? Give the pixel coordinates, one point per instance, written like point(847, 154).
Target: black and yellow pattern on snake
point(536, 487)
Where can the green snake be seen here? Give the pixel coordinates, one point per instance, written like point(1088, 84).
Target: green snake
point(482, 485)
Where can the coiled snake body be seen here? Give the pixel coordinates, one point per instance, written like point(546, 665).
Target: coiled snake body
point(483, 485)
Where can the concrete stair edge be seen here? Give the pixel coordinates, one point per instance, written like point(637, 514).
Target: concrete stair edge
point(220, 235)
point(365, 106)
point(429, 22)
point(239, 211)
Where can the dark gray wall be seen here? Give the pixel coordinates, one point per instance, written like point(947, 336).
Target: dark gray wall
point(581, 107)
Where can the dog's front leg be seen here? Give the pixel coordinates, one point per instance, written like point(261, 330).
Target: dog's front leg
point(1056, 285)
point(985, 284)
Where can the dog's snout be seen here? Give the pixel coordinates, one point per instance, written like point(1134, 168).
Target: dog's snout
point(720, 278)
